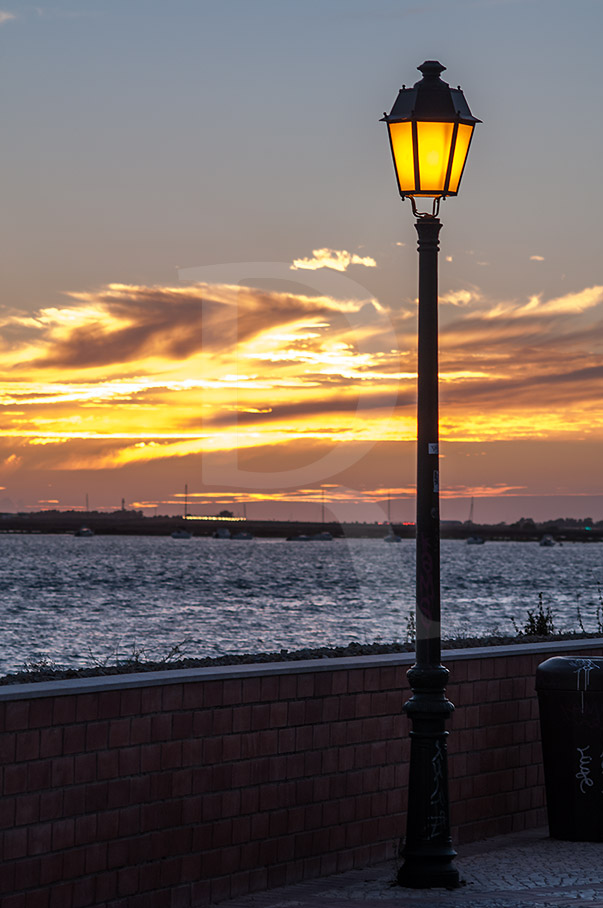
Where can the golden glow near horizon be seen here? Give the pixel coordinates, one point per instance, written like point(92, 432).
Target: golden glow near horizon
point(133, 374)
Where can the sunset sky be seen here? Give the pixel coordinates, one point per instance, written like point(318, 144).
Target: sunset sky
point(208, 277)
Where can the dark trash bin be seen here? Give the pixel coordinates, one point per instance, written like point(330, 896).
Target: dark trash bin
point(570, 698)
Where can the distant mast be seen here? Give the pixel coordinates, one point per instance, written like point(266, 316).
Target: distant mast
point(87, 508)
point(186, 501)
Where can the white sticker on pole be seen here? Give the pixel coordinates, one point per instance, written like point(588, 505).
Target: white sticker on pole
point(436, 481)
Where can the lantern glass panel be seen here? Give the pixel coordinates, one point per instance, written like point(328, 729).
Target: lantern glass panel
point(460, 155)
point(401, 139)
point(433, 141)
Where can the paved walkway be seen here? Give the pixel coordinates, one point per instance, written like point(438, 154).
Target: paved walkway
point(520, 871)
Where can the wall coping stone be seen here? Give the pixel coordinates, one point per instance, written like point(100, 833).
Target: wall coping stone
point(98, 683)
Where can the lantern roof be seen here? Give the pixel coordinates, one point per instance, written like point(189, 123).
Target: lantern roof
point(430, 99)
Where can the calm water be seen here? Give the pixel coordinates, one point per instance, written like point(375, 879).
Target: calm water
point(79, 600)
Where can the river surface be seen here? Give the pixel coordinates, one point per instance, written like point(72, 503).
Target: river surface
point(77, 601)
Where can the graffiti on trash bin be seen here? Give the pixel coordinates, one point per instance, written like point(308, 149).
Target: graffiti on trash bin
point(583, 774)
point(583, 668)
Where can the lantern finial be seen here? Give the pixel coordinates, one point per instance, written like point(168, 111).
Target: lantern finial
point(431, 69)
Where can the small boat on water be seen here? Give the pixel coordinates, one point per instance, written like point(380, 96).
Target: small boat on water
point(244, 534)
point(475, 540)
point(222, 533)
point(84, 532)
point(392, 537)
point(547, 541)
point(181, 533)
point(324, 536)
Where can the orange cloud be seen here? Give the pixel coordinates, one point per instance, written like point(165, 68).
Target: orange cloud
point(135, 375)
point(337, 259)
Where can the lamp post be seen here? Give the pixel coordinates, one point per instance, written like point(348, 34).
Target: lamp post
point(430, 128)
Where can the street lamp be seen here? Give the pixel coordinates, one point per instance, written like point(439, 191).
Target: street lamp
point(430, 128)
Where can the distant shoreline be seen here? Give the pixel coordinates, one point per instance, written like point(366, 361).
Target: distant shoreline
point(134, 523)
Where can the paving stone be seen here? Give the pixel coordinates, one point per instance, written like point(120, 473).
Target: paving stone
point(529, 870)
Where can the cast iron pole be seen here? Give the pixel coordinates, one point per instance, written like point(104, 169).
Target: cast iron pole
point(428, 853)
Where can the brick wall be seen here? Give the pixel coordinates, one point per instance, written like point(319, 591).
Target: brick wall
point(176, 789)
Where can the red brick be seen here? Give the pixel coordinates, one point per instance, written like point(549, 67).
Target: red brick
point(86, 707)
point(97, 735)
point(7, 812)
point(15, 778)
point(51, 804)
point(250, 690)
point(250, 800)
point(127, 881)
point(85, 768)
point(172, 697)
point(39, 838)
point(305, 686)
point(150, 757)
point(27, 809)
point(330, 709)
point(278, 714)
point(96, 795)
point(347, 707)
point(108, 825)
point(63, 834)
point(119, 733)
point(269, 685)
point(231, 747)
point(40, 898)
point(62, 771)
point(118, 854)
point(118, 794)
point(86, 829)
point(287, 687)
point(213, 694)
point(28, 746)
point(51, 869)
point(83, 892)
point(161, 727)
point(182, 783)
point(109, 703)
point(323, 684)
point(267, 742)
point(140, 729)
point(16, 715)
point(129, 761)
point(63, 710)
point(220, 889)
point(314, 711)
point(14, 844)
point(96, 858)
point(232, 691)
point(296, 712)
point(8, 748)
point(107, 764)
point(74, 739)
point(182, 724)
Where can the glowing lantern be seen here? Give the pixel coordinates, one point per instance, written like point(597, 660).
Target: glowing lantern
point(430, 128)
